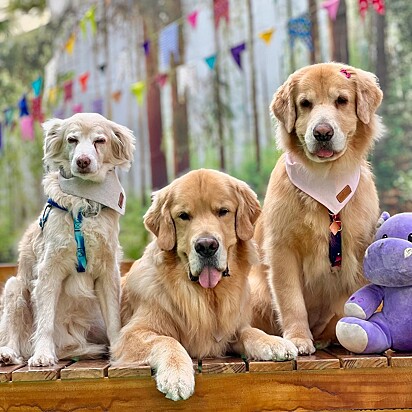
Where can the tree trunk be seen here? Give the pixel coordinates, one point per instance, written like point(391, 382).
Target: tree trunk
point(340, 48)
point(313, 15)
point(381, 62)
point(253, 85)
point(154, 114)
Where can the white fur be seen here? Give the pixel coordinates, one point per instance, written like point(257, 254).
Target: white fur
point(50, 311)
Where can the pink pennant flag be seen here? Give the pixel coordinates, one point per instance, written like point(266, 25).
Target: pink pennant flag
point(379, 6)
point(192, 19)
point(332, 7)
point(77, 108)
point(27, 128)
point(68, 90)
point(161, 79)
point(221, 11)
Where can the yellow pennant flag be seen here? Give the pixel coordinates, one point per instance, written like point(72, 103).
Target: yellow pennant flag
point(69, 46)
point(52, 95)
point(266, 35)
point(138, 90)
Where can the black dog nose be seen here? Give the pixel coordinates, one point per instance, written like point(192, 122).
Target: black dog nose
point(83, 162)
point(206, 246)
point(323, 132)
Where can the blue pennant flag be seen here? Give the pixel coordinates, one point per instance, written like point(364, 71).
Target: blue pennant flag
point(169, 44)
point(24, 109)
point(300, 28)
point(210, 61)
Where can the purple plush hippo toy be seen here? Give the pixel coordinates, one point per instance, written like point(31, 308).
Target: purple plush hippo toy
point(388, 266)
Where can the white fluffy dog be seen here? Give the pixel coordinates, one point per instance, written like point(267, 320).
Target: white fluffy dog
point(64, 300)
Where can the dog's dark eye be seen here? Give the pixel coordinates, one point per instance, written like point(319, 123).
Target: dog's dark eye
point(102, 140)
point(223, 211)
point(410, 237)
point(72, 140)
point(384, 236)
point(341, 100)
point(305, 103)
point(184, 216)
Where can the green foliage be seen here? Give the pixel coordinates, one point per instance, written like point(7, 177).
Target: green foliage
point(133, 235)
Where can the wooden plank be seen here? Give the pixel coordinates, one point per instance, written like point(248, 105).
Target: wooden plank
point(86, 369)
point(41, 373)
point(128, 371)
point(349, 360)
point(6, 371)
point(319, 360)
point(342, 389)
point(270, 366)
point(399, 359)
point(223, 365)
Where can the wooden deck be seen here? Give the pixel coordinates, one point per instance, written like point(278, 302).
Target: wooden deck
point(333, 379)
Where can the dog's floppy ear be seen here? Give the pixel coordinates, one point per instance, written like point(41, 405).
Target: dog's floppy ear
point(159, 220)
point(368, 95)
point(247, 212)
point(283, 105)
point(53, 138)
point(123, 145)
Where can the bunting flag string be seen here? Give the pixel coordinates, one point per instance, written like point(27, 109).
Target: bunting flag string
point(332, 7)
point(236, 53)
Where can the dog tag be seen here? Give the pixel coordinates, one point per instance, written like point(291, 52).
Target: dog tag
point(334, 227)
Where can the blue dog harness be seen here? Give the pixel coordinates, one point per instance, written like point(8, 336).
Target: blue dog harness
point(78, 235)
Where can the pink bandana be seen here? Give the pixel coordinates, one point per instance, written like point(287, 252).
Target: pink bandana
point(333, 190)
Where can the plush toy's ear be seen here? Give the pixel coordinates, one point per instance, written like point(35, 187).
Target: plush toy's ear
point(383, 217)
point(368, 95)
point(159, 220)
point(247, 212)
point(283, 105)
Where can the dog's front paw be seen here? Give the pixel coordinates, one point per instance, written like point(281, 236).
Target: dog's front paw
point(42, 359)
point(273, 348)
point(305, 346)
point(9, 357)
point(176, 383)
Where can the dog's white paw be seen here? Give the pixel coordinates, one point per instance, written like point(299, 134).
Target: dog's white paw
point(273, 348)
point(305, 346)
point(176, 383)
point(42, 359)
point(9, 357)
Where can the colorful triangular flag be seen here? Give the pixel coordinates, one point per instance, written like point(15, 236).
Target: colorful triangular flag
point(192, 18)
point(68, 90)
point(97, 106)
point(266, 35)
point(211, 61)
point(161, 79)
point(69, 46)
point(236, 53)
point(300, 28)
point(138, 90)
point(221, 11)
point(169, 44)
point(83, 79)
point(37, 86)
point(23, 108)
point(146, 47)
point(27, 128)
point(77, 108)
point(117, 95)
point(36, 109)
point(332, 7)
point(91, 17)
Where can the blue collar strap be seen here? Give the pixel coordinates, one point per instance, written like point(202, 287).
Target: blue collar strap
point(78, 235)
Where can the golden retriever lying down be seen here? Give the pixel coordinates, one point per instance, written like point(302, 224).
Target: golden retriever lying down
point(327, 125)
point(188, 296)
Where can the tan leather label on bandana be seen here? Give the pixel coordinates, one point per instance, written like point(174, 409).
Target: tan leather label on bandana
point(344, 193)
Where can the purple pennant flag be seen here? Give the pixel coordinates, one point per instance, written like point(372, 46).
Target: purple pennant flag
point(236, 51)
point(146, 47)
point(97, 106)
point(169, 44)
point(24, 110)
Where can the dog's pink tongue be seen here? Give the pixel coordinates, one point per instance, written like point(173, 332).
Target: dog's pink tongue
point(209, 277)
point(325, 153)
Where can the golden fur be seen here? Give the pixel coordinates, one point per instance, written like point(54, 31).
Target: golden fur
point(296, 291)
point(168, 317)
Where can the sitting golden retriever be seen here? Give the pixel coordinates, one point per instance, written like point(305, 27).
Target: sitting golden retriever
point(321, 205)
point(65, 299)
point(188, 296)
